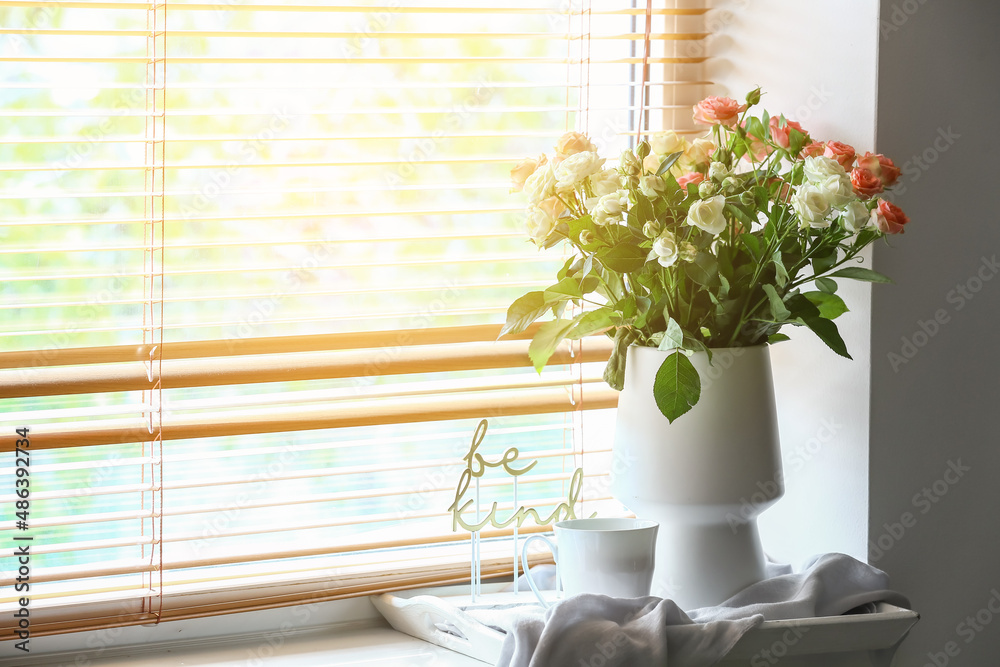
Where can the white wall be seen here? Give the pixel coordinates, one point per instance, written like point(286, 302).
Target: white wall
point(938, 78)
point(816, 63)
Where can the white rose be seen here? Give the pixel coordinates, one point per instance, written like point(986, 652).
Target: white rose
point(628, 163)
point(651, 186)
point(575, 168)
point(665, 143)
point(688, 251)
point(651, 163)
point(541, 184)
point(812, 206)
point(706, 214)
point(539, 224)
point(718, 171)
point(609, 209)
point(855, 216)
point(838, 191)
point(543, 218)
point(613, 203)
point(699, 152)
point(818, 169)
point(666, 249)
point(605, 182)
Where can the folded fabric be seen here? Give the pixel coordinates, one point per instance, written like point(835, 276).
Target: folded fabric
point(619, 632)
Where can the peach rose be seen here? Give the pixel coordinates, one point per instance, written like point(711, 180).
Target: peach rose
point(865, 182)
point(842, 153)
point(881, 166)
point(888, 217)
point(782, 135)
point(814, 149)
point(525, 168)
point(718, 111)
point(694, 178)
point(572, 143)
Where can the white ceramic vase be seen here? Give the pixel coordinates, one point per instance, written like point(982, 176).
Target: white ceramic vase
point(706, 477)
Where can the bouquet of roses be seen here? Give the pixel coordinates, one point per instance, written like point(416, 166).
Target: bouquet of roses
point(714, 243)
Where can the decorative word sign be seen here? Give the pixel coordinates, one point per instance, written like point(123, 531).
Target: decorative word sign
point(475, 467)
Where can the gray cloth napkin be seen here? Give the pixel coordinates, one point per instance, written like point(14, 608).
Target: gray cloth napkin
point(619, 632)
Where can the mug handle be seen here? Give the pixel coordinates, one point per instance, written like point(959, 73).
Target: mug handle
point(527, 572)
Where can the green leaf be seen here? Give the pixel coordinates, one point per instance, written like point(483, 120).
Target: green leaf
point(673, 337)
point(668, 162)
point(523, 312)
point(590, 322)
point(823, 263)
point(755, 128)
point(828, 333)
point(830, 306)
point(777, 338)
point(614, 372)
point(704, 270)
point(564, 271)
point(859, 273)
point(627, 307)
point(740, 146)
point(642, 305)
point(826, 285)
point(622, 258)
point(742, 215)
point(780, 273)
point(546, 341)
point(723, 286)
point(796, 140)
point(778, 309)
point(752, 244)
point(640, 213)
point(677, 387)
point(567, 288)
point(800, 307)
point(589, 283)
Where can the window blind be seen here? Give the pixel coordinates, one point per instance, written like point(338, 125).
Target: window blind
point(254, 262)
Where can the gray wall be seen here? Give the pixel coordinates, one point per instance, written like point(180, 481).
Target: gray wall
point(935, 392)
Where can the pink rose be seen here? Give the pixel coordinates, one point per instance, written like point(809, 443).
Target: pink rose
point(888, 217)
point(813, 149)
point(881, 166)
point(865, 182)
point(842, 153)
point(525, 168)
point(718, 111)
point(782, 135)
point(694, 178)
point(572, 143)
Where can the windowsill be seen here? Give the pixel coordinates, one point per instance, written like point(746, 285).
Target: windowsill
point(343, 632)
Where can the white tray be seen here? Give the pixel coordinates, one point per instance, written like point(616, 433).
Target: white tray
point(857, 640)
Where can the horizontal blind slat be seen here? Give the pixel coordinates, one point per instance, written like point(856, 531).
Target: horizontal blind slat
point(56, 436)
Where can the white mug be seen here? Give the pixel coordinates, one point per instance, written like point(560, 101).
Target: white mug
point(613, 557)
